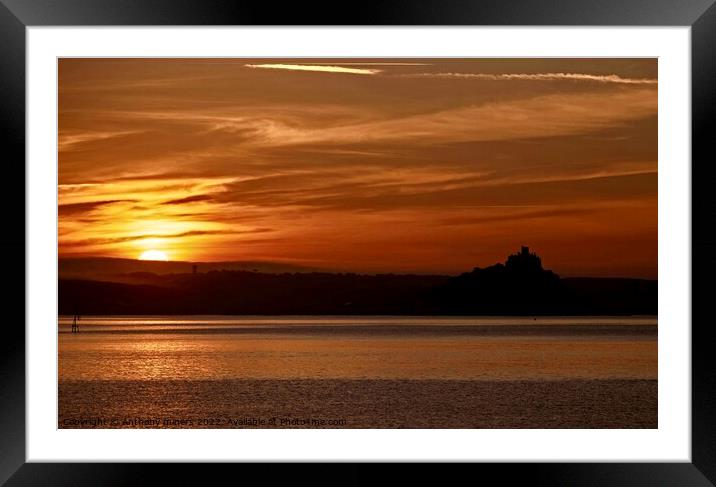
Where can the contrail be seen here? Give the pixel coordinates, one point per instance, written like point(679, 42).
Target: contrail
point(318, 68)
point(610, 78)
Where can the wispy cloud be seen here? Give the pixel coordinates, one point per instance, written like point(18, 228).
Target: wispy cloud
point(503, 217)
point(374, 190)
point(133, 238)
point(78, 208)
point(315, 67)
point(610, 78)
point(188, 199)
point(551, 115)
point(70, 141)
point(542, 116)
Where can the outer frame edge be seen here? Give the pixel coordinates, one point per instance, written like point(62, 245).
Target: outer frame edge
point(13, 19)
point(12, 343)
point(703, 107)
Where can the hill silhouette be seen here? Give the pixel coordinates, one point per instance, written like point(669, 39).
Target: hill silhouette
point(115, 269)
point(519, 286)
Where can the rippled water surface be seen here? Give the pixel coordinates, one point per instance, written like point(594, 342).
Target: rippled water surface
point(362, 368)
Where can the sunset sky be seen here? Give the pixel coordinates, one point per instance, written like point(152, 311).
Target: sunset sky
point(366, 165)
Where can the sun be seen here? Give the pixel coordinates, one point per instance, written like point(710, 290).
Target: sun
point(153, 255)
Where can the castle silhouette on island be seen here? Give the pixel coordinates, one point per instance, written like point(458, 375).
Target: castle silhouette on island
point(524, 261)
point(519, 286)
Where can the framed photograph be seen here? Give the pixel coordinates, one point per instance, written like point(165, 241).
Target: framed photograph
point(441, 232)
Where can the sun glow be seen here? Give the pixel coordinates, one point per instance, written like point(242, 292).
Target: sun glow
point(153, 255)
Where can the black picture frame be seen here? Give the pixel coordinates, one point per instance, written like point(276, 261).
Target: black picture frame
point(700, 15)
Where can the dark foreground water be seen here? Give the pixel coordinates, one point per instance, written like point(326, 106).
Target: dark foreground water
point(359, 403)
point(358, 372)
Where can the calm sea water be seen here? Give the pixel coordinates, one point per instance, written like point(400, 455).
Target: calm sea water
point(358, 372)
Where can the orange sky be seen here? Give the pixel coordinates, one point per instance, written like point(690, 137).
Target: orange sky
point(403, 165)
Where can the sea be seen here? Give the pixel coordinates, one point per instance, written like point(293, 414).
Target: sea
point(357, 372)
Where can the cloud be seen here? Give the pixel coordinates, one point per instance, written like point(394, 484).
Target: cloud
point(632, 186)
point(644, 169)
point(611, 78)
point(67, 142)
point(315, 67)
point(374, 189)
point(529, 215)
point(133, 238)
point(188, 199)
point(76, 186)
point(536, 117)
point(86, 207)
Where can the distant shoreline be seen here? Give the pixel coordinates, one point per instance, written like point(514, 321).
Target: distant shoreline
point(235, 293)
point(520, 286)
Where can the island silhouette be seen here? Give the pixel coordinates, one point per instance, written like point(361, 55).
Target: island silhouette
point(519, 286)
